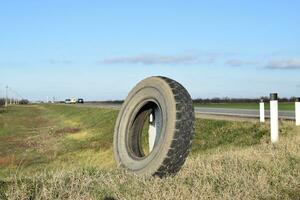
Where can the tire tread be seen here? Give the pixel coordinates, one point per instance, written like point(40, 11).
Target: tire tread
point(184, 130)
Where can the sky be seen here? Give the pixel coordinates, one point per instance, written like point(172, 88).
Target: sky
point(99, 50)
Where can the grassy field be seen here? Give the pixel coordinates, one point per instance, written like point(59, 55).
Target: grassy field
point(281, 106)
point(64, 152)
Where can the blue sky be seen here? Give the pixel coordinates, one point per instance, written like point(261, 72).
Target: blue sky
point(99, 50)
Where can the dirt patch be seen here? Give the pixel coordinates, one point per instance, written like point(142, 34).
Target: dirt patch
point(67, 130)
point(7, 160)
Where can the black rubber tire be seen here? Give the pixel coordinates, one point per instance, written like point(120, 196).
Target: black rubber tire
point(176, 129)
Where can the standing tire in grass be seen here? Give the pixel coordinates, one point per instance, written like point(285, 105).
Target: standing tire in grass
point(165, 105)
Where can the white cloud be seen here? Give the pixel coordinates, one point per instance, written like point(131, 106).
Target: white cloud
point(152, 59)
point(291, 63)
point(240, 62)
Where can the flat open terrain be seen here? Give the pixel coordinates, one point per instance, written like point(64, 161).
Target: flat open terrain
point(65, 152)
point(281, 106)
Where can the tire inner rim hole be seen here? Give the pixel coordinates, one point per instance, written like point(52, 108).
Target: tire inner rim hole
point(145, 131)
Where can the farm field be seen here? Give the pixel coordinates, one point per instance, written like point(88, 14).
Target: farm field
point(65, 152)
point(281, 106)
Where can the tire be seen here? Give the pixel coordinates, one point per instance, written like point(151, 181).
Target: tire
point(172, 108)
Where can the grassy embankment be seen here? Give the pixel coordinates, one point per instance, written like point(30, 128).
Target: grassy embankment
point(281, 106)
point(63, 152)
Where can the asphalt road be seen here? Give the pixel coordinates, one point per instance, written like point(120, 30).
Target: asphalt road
point(239, 113)
point(242, 112)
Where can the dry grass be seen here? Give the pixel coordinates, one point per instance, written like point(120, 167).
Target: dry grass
point(263, 171)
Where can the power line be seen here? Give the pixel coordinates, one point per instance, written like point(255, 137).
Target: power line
point(16, 93)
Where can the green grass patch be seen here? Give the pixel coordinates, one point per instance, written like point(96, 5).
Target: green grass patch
point(35, 138)
point(50, 136)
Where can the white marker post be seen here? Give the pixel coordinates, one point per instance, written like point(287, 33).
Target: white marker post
point(262, 111)
point(274, 117)
point(297, 111)
point(151, 132)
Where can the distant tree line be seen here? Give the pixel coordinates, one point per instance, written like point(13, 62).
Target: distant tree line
point(240, 100)
point(108, 102)
point(22, 102)
point(2, 102)
point(213, 100)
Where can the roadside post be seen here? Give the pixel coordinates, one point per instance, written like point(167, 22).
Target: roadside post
point(297, 111)
point(151, 132)
point(262, 111)
point(274, 117)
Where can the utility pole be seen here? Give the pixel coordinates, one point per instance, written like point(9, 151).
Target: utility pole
point(6, 96)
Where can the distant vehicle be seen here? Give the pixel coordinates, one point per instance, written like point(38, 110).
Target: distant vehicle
point(67, 101)
point(80, 101)
point(73, 100)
